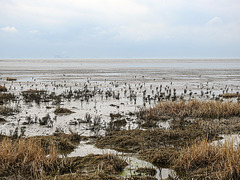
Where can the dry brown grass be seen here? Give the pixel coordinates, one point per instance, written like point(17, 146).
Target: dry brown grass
point(195, 108)
point(207, 160)
point(25, 157)
point(65, 143)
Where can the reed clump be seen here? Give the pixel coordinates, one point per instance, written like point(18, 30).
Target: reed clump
point(194, 108)
point(203, 159)
point(26, 157)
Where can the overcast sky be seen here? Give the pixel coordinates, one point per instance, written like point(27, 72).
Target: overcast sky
point(119, 28)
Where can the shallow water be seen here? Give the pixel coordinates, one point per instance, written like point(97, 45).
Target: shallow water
point(116, 75)
point(119, 75)
point(133, 162)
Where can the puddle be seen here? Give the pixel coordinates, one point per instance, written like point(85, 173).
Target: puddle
point(133, 162)
point(234, 138)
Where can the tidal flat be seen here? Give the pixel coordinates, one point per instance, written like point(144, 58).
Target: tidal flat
point(119, 118)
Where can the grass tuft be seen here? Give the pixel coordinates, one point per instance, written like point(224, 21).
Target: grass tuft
point(25, 157)
point(208, 160)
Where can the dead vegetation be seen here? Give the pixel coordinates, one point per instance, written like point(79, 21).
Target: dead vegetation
point(203, 159)
point(63, 111)
point(97, 167)
point(194, 108)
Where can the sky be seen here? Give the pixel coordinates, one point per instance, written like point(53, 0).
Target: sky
point(120, 29)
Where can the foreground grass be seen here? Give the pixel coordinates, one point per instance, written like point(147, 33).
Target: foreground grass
point(26, 157)
point(203, 159)
point(195, 109)
point(65, 143)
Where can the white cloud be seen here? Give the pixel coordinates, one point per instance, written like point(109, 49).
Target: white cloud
point(215, 21)
point(34, 31)
point(140, 31)
point(9, 29)
point(123, 21)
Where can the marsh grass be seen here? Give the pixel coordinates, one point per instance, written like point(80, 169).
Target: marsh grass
point(194, 108)
point(26, 157)
point(65, 143)
point(203, 159)
point(136, 140)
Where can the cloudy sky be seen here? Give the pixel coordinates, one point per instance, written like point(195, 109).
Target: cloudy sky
point(120, 29)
